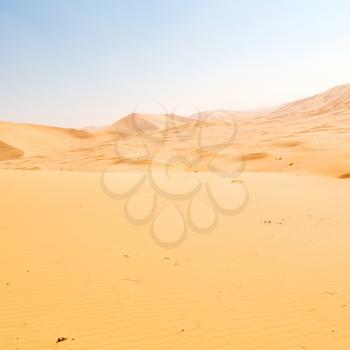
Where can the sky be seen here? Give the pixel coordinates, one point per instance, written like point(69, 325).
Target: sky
point(79, 63)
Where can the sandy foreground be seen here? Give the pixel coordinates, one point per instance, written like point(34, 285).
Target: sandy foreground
point(274, 276)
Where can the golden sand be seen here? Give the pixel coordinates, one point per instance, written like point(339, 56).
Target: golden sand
point(81, 268)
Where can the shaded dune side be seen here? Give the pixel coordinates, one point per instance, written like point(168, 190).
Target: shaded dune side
point(344, 176)
point(256, 156)
point(8, 152)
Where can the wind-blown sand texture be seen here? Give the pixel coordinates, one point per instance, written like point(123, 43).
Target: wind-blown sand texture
point(310, 136)
point(76, 274)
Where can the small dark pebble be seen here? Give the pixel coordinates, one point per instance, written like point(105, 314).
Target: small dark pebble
point(60, 339)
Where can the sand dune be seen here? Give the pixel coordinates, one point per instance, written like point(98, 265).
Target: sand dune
point(309, 136)
point(8, 152)
point(335, 101)
point(146, 122)
point(37, 139)
point(85, 250)
point(222, 114)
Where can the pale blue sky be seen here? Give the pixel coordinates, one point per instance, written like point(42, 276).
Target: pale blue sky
point(83, 62)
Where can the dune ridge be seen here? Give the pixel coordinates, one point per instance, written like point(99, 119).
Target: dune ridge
point(308, 136)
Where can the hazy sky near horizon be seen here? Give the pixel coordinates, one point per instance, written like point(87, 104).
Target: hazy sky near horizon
point(82, 62)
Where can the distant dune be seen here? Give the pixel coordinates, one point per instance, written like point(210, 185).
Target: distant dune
point(146, 122)
point(335, 101)
point(304, 136)
point(223, 114)
point(37, 139)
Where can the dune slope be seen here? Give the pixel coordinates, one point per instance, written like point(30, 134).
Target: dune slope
point(8, 152)
point(309, 136)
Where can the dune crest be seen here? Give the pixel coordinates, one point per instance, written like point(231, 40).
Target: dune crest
point(308, 136)
point(146, 122)
point(335, 100)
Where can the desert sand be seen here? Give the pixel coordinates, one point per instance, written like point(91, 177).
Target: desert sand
point(78, 273)
point(309, 136)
